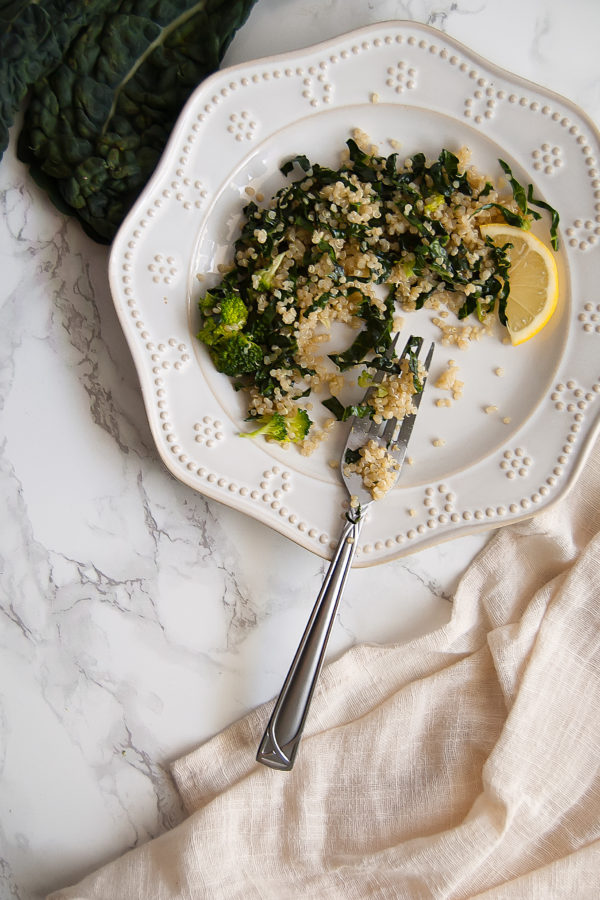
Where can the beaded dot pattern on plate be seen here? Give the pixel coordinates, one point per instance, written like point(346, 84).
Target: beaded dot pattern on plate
point(401, 77)
point(209, 431)
point(317, 86)
point(172, 354)
point(163, 269)
point(547, 159)
point(516, 463)
point(242, 126)
point(590, 318)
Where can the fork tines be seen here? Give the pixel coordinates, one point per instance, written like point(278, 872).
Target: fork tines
point(386, 431)
point(393, 434)
point(397, 446)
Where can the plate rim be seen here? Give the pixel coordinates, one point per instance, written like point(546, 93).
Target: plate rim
point(259, 512)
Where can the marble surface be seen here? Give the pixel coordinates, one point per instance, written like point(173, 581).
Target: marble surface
point(138, 618)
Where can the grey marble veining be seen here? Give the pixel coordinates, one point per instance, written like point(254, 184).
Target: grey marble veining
point(138, 618)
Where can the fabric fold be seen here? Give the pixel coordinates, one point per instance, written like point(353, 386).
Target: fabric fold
point(461, 764)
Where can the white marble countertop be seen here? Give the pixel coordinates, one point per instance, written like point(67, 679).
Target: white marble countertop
point(138, 618)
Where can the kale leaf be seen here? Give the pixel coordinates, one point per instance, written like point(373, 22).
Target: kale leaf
point(524, 200)
point(376, 335)
point(342, 413)
point(33, 38)
point(106, 91)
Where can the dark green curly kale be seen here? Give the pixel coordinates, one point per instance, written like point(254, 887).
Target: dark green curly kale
point(103, 103)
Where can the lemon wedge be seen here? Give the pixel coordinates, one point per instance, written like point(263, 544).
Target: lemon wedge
point(533, 280)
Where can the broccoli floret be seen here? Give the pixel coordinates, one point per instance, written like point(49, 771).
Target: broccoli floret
point(209, 302)
point(262, 279)
point(235, 354)
point(224, 316)
point(225, 306)
point(298, 425)
point(210, 333)
point(270, 426)
point(293, 427)
point(234, 311)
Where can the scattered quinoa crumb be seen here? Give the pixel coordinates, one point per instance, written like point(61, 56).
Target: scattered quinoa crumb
point(374, 98)
point(490, 409)
point(462, 335)
point(449, 381)
point(506, 420)
point(412, 512)
point(438, 442)
point(499, 371)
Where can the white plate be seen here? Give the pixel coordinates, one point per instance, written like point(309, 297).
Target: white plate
point(397, 81)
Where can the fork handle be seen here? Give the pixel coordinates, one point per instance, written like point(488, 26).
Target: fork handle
point(281, 739)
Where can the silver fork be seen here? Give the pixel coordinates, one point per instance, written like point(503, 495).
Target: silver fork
point(281, 739)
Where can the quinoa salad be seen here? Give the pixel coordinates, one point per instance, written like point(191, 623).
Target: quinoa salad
point(361, 246)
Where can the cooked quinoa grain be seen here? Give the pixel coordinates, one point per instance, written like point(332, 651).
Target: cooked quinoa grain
point(449, 381)
point(377, 468)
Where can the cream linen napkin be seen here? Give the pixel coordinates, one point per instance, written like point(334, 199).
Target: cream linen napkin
point(462, 764)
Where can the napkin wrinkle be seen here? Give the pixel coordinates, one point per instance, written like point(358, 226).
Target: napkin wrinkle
point(512, 645)
point(200, 778)
point(553, 879)
point(461, 764)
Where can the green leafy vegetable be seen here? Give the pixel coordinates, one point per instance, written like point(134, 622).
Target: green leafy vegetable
point(524, 200)
point(300, 160)
point(33, 38)
point(376, 335)
point(342, 413)
point(108, 79)
point(509, 216)
point(555, 218)
point(517, 188)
